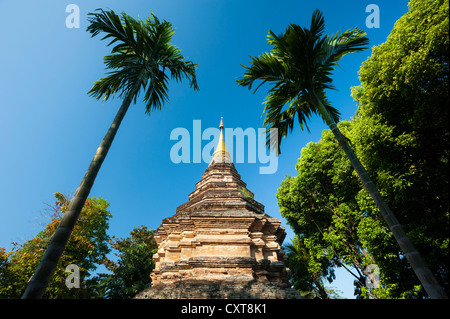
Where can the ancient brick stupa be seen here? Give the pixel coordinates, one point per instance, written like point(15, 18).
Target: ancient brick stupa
point(220, 244)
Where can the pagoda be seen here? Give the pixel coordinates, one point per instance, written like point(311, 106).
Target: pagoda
point(221, 243)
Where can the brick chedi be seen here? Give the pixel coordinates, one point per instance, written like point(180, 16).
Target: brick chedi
point(220, 244)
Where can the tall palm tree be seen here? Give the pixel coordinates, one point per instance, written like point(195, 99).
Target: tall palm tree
point(298, 68)
point(139, 60)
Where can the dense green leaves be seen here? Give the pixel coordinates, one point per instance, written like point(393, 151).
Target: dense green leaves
point(400, 134)
point(337, 222)
point(131, 272)
point(402, 121)
point(307, 274)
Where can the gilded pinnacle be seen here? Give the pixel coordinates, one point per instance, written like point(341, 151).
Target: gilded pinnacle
point(221, 153)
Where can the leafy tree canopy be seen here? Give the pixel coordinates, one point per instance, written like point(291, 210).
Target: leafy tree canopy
point(87, 248)
point(326, 205)
point(131, 272)
point(402, 126)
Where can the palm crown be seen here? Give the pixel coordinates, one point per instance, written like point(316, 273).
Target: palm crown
point(139, 59)
point(299, 68)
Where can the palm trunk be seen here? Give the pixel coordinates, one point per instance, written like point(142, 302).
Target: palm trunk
point(39, 282)
point(426, 277)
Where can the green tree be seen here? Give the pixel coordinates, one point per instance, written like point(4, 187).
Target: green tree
point(299, 68)
point(87, 248)
point(401, 129)
point(131, 272)
point(139, 60)
point(307, 275)
point(338, 226)
point(7, 276)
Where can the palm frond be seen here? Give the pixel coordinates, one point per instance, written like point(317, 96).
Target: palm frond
point(110, 23)
point(267, 68)
point(299, 69)
point(335, 47)
point(317, 23)
point(141, 55)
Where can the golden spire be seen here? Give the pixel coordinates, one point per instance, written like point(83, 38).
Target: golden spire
point(221, 153)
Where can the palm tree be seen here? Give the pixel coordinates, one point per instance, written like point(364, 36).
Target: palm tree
point(298, 68)
point(139, 60)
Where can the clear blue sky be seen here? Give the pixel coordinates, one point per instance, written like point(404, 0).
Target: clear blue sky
point(50, 128)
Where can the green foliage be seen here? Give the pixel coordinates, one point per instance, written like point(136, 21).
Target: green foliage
point(246, 193)
point(139, 59)
point(402, 127)
point(87, 248)
point(298, 68)
point(307, 275)
point(8, 286)
point(400, 134)
point(321, 205)
point(131, 272)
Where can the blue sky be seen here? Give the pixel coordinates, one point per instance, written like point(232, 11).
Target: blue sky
point(50, 128)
